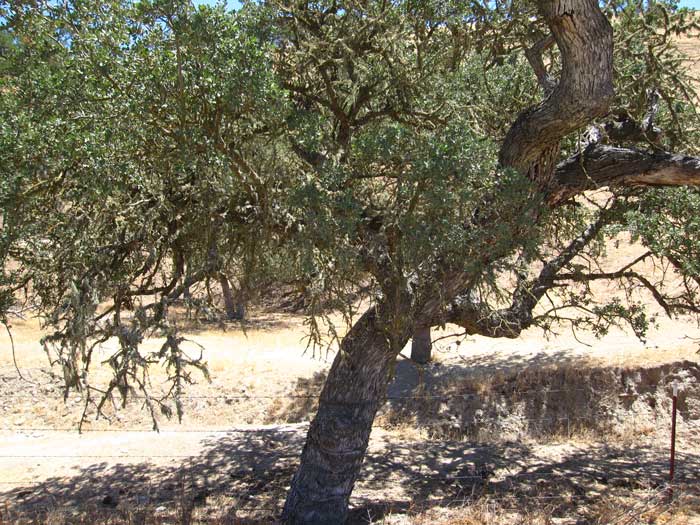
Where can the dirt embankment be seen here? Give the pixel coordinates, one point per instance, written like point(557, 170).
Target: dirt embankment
point(569, 400)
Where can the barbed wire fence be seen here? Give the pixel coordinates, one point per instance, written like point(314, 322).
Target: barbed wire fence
point(662, 486)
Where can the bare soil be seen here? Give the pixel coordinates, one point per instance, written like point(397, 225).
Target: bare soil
point(520, 425)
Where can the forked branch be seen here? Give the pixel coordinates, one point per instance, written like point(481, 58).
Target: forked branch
point(534, 56)
point(477, 317)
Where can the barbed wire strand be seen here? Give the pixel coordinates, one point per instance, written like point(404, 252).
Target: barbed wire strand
point(298, 426)
point(246, 397)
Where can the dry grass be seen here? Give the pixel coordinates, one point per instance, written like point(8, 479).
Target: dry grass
point(642, 507)
point(690, 46)
point(632, 509)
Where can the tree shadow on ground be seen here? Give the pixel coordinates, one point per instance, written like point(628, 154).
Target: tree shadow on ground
point(242, 477)
point(540, 396)
point(432, 384)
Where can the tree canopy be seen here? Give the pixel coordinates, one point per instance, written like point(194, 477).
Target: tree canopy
point(430, 156)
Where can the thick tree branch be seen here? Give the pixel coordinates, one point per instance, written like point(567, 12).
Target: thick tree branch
point(599, 166)
point(584, 91)
point(534, 56)
point(476, 317)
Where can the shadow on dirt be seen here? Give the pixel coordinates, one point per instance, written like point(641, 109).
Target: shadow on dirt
point(540, 397)
point(242, 477)
point(545, 395)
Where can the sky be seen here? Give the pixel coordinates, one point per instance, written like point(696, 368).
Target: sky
point(695, 4)
point(234, 3)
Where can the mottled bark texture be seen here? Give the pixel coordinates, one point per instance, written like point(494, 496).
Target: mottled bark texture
point(601, 165)
point(356, 385)
point(421, 345)
point(339, 434)
point(584, 90)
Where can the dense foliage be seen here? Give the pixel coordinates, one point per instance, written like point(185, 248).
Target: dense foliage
point(149, 147)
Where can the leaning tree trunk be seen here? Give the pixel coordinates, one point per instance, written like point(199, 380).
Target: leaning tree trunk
point(339, 434)
point(421, 345)
point(356, 384)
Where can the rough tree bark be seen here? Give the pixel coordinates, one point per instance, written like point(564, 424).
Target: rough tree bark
point(601, 165)
point(421, 345)
point(357, 382)
point(339, 434)
point(584, 90)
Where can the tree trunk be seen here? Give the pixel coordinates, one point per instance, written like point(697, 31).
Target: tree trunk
point(240, 309)
point(356, 385)
point(584, 91)
point(186, 292)
point(339, 434)
point(229, 303)
point(421, 346)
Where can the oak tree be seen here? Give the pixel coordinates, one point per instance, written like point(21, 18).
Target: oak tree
point(432, 157)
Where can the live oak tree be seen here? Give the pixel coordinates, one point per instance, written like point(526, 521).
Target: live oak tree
point(457, 190)
point(432, 156)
